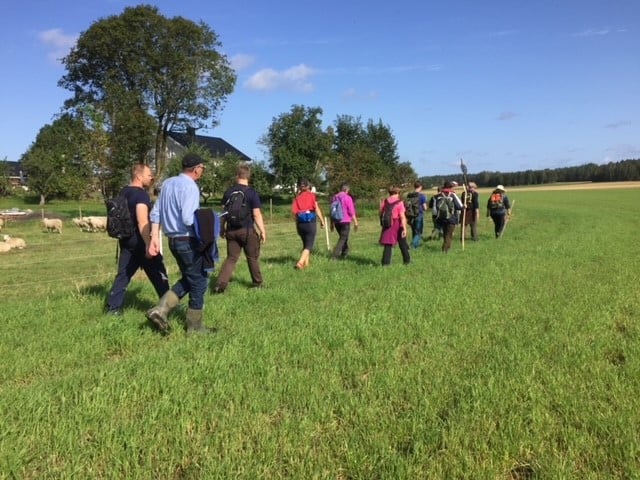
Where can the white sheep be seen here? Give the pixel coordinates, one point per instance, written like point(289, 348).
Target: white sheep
point(4, 247)
point(52, 224)
point(14, 242)
point(81, 223)
point(97, 223)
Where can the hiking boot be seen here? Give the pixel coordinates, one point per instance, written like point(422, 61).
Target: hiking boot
point(194, 322)
point(158, 314)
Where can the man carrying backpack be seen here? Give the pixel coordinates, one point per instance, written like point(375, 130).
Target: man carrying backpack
point(446, 206)
point(243, 229)
point(342, 212)
point(415, 206)
point(499, 208)
point(133, 248)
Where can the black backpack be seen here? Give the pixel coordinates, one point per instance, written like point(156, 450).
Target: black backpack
point(236, 210)
point(412, 205)
point(119, 222)
point(386, 218)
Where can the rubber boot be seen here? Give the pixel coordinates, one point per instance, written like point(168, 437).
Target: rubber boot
point(194, 322)
point(158, 314)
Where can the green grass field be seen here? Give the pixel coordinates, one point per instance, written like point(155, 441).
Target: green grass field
point(516, 358)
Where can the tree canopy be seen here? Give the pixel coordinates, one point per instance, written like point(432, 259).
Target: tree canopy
point(364, 155)
point(53, 163)
point(140, 62)
point(297, 145)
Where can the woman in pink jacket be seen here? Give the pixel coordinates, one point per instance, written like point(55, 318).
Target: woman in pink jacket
point(395, 232)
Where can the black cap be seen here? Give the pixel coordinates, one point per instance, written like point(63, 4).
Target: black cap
point(191, 160)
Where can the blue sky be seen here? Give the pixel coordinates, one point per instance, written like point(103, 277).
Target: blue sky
point(506, 85)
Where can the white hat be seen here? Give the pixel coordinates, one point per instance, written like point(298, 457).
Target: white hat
point(500, 187)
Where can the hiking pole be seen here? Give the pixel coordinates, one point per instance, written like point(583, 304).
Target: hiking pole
point(463, 167)
point(513, 204)
point(326, 233)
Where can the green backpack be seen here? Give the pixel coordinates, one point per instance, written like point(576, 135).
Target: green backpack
point(444, 207)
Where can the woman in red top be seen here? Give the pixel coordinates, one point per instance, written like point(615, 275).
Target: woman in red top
point(306, 211)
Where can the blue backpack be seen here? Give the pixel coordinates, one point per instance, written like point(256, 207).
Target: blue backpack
point(335, 211)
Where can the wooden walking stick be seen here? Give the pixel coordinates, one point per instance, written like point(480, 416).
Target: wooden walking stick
point(326, 233)
point(463, 167)
point(513, 204)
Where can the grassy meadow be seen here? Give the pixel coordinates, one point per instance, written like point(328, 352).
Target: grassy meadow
point(517, 358)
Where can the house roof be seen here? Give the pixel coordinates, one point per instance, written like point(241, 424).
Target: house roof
point(14, 169)
point(216, 145)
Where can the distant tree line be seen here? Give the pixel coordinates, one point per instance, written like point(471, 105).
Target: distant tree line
point(622, 171)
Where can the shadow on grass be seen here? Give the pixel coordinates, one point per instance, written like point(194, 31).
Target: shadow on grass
point(281, 260)
point(131, 298)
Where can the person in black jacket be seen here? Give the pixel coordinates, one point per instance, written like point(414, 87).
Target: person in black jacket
point(244, 230)
point(133, 250)
point(499, 208)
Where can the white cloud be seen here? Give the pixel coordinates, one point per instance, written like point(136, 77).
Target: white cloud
point(622, 152)
point(241, 61)
point(502, 33)
point(619, 124)
point(593, 32)
point(353, 94)
point(295, 79)
point(507, 115)
point(57, 42)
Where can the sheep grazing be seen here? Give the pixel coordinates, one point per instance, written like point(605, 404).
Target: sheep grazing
point(96, 224)
point(52, 224)
point(4, 247)
point(81, 223)
point(14, 242)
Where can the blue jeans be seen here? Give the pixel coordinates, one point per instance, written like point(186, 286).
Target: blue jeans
point(194, 279)
point(417, 226)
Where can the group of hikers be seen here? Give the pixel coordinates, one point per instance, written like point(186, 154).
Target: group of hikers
point(192, 232)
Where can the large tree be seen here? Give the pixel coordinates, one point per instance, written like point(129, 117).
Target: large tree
point(365, 156)
point(5, 185)
point(141, 60)
point(54, 163)
point(297, 145)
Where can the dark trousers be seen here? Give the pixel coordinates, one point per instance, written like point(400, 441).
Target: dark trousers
point(447, 229)
point(243, 239)
point(404, 249)
point(470, 221)
point(307, 233)
point(342, 247)
point(133, 257)
point(498, 223)
point(194, 280)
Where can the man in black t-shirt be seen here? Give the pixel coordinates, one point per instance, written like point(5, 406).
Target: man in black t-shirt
point(133, 250)
point(247, 235)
